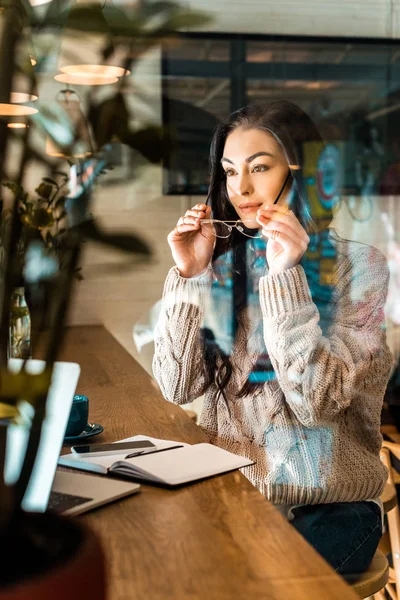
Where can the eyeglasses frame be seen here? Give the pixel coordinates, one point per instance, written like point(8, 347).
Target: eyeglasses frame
point(228, 223)
point(231, 225)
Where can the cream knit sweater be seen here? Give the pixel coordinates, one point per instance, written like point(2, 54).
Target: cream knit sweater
point(313, 432)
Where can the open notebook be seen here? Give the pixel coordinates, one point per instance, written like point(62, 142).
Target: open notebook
point(166, 465)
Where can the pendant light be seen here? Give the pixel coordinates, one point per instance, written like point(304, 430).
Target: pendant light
point(17, 123)
point(73, 139)
point(92, 73)
point(23, 86)
point(16, 110)
point(85, 78)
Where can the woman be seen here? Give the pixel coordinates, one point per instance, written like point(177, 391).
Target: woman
point(292, 359)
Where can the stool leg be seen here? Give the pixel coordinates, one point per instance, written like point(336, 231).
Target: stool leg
point(393, 518)
point(390, 590)
point(394, 534)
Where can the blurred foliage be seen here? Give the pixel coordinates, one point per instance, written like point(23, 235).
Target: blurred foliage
point(42, 215)
point(150, 19)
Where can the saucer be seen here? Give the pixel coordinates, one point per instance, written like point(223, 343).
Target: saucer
point(89, 431)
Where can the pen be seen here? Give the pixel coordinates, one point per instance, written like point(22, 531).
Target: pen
point(152, 451)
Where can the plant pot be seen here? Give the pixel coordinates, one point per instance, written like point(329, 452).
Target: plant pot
point(47, 557)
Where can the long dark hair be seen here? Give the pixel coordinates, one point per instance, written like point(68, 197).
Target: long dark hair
point(291, 127)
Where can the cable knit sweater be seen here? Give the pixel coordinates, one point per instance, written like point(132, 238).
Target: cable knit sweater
point(313, 430)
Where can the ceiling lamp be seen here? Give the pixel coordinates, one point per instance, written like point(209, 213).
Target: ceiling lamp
point(16, 110)
point(23, 85)
point(21, 97)
point(92, 73)
point(85, 79)
point(16, 106)
point(17, 125)
point(106, 70)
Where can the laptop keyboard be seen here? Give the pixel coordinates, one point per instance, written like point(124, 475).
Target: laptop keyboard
point(59, 502)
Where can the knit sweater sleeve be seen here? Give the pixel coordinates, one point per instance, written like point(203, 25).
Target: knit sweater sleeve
point(178, 363)
point(321, 374)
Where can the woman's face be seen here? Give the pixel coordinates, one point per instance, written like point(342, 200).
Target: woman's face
point(255, 169)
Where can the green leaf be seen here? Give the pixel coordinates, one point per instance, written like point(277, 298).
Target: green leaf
point(62, 174)
point(150, 9)
point(42, 218)
point(45, 190)
point(78, 275)
point(184, 19)
point(89, 19)
point(11, 185)
point(51, 181)
point(60, 202)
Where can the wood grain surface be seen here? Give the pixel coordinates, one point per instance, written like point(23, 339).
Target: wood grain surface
point(212, 540)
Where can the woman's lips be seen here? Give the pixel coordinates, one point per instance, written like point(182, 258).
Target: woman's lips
point(249, 208)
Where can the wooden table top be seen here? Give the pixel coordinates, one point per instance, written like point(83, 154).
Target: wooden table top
point(214, 540)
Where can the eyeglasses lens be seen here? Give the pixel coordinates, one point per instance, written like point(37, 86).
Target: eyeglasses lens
point(221, 229)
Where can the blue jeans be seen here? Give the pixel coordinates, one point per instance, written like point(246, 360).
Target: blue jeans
point(346, 534)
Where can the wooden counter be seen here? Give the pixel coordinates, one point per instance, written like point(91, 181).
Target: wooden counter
point(213, 540)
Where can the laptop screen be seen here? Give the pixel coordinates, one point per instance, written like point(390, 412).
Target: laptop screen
point(59, 402)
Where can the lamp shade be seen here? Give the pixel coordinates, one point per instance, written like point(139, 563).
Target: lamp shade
point(106, 70)
point(16, 110)
point(85, 79)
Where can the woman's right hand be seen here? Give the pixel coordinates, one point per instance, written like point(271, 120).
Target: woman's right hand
point(192, 244)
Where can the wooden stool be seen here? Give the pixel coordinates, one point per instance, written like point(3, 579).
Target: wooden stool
point(379, 574)
point(390, 542)
point(374, 580)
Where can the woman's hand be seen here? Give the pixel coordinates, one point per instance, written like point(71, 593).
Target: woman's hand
point(192, 244)
point(287, 239)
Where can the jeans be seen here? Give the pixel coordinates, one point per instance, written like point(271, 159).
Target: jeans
point(346, 534)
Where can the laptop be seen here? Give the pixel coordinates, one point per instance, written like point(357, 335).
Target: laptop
point(61, 491)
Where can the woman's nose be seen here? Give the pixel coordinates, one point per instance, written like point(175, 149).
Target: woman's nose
point(244, 187)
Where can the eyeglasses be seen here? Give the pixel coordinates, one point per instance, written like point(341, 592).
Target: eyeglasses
point(223, 229)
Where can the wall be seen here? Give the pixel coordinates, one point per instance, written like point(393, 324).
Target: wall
point(369, 18)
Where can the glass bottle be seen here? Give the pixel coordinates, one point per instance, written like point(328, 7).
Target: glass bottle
point(19, 342)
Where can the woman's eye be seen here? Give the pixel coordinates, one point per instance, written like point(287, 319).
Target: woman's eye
point(229, 172)
point(260, 168)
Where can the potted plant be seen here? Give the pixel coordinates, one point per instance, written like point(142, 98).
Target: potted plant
point(44, 555)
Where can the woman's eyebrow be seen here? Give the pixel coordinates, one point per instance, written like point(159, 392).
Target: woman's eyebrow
point(249, 159)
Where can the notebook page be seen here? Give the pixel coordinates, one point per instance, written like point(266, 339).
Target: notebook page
point(101, 464)
point(184, 464)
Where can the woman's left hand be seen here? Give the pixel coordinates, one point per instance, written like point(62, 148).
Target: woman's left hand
point(287, 238)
